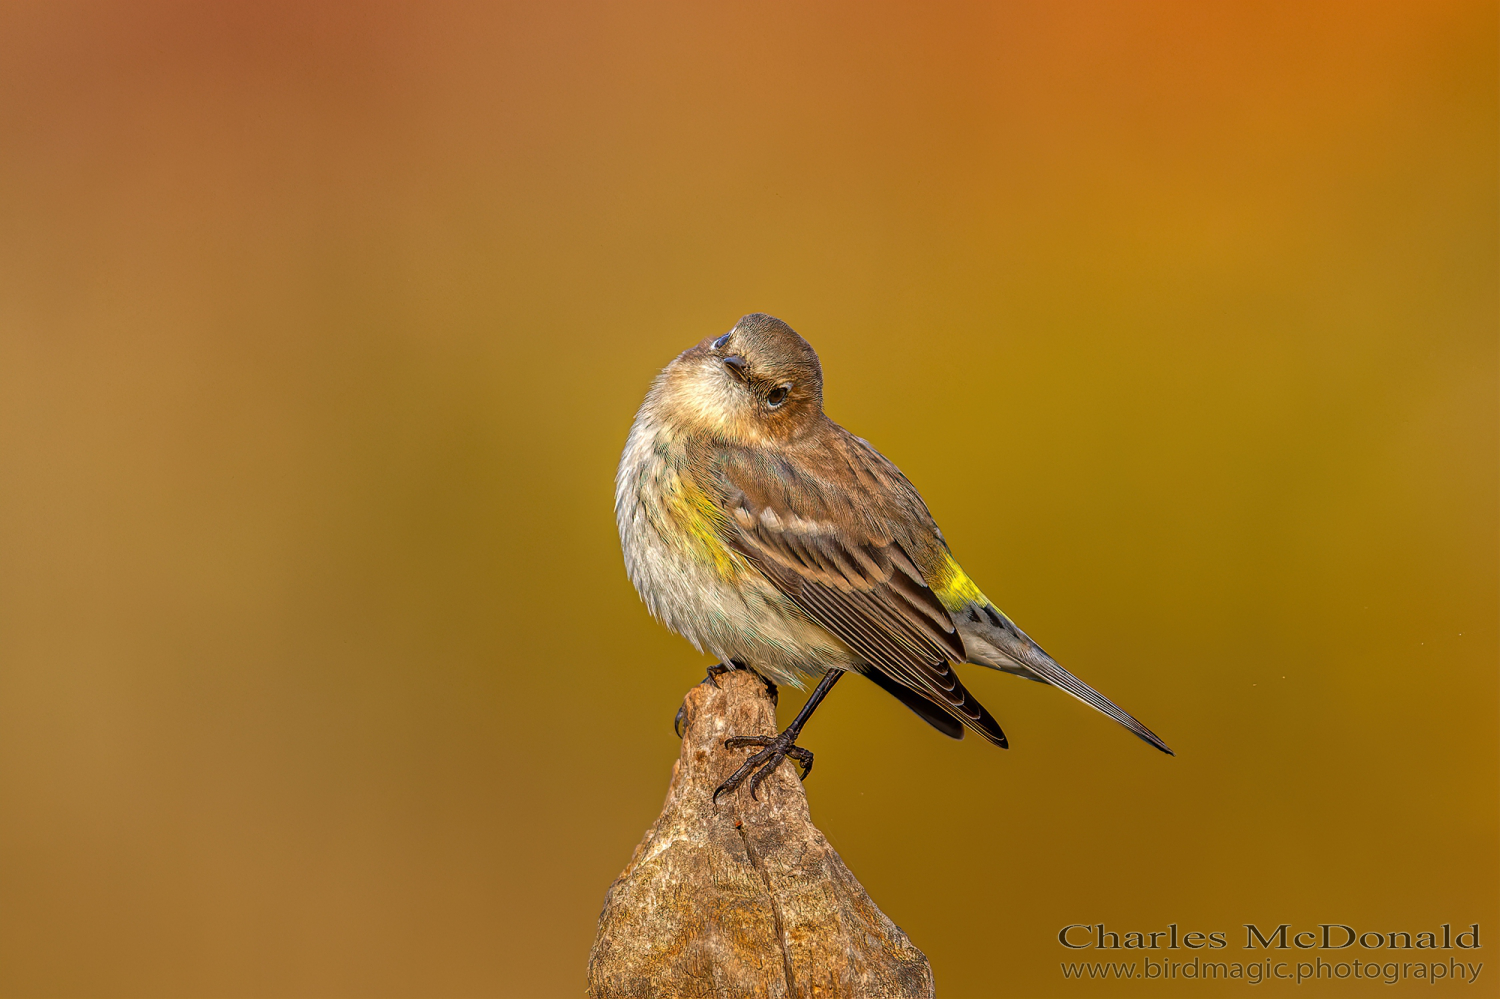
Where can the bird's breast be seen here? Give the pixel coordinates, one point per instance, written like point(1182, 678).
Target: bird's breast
point(691, 581)
point(659, 505)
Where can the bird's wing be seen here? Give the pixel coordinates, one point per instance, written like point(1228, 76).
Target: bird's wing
point(818, 537)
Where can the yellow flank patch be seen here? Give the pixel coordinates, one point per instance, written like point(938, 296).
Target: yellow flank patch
point(699, 523)
point(954, 588)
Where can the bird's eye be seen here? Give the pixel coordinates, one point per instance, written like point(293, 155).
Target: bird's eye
point(777, 395)
point(723, 340)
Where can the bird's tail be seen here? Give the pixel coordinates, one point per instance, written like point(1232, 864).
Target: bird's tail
point(992, 640)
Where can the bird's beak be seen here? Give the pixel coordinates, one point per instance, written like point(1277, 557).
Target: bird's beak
point(736, 365)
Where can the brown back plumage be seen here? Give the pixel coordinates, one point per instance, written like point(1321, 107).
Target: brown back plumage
point(838, 529)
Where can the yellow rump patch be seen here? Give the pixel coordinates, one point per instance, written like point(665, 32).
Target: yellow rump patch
point(954, 587)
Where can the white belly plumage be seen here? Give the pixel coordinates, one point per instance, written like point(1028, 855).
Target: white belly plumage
point(733, 614)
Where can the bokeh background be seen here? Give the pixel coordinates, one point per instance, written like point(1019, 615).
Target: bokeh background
point(321, 327)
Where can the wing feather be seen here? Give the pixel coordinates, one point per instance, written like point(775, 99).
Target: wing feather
point(851, 577)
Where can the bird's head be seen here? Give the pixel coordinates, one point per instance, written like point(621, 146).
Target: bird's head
point(759, 381)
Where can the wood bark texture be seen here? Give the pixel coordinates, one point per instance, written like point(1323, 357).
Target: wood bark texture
point(743, 897)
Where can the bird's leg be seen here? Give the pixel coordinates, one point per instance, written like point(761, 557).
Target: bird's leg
point(777, 748)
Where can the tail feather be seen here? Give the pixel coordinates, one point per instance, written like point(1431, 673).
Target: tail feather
point(1017, 653)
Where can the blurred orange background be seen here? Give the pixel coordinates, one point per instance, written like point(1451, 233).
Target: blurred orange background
point(321, 328)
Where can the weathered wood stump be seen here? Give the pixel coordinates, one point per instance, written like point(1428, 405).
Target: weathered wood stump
point(743, 897)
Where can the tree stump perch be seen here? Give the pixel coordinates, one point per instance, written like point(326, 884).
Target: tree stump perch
point(743, 897)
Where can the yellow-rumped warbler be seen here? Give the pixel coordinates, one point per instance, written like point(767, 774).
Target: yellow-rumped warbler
point(766, 534)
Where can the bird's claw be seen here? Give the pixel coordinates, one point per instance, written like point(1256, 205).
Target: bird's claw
point(711, 677)
point(764, 763)
point(679, 723)
point(717, 670)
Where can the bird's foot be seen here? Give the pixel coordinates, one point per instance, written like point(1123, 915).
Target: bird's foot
point(719, 669)
point(679, 723)
point(764, 763)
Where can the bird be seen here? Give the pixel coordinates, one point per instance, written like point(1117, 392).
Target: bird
point(772, 538)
